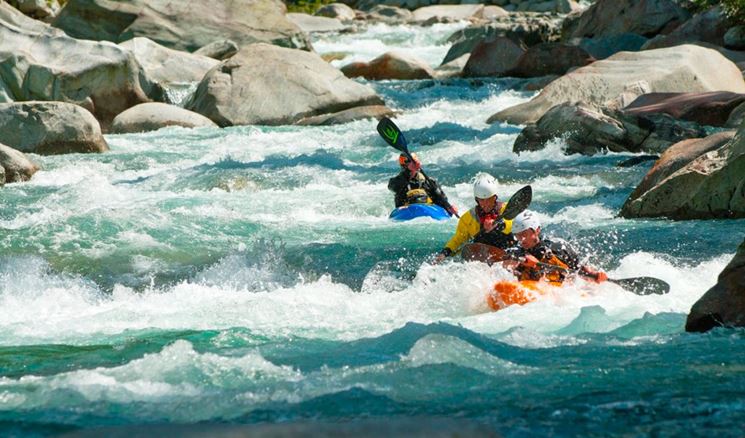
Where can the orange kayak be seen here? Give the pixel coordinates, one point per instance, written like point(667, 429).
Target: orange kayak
point(509, 292)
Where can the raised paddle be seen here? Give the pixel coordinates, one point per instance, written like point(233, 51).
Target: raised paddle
point(394, 137)
point(637, 285)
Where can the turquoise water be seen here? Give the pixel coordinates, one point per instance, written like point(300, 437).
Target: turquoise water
point(250, 275)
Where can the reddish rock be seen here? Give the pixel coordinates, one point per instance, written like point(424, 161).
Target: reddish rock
point(493, 57)
point(390, 65)
point(713, 108)
point(550, 59)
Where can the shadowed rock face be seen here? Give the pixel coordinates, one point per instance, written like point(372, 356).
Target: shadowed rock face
point(182, 25)
point(643, 17)
point(712, 185)
point(15, 166)
point(264, 84)
point(49, 128)
point(712, 108)
point(723, 304)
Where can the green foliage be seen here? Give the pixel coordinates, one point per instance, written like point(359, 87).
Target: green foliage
point(306, 6)
point(735, 9)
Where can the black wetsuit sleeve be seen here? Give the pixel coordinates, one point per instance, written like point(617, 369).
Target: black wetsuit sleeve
point(565, 253)
point(436, 194)
point(398, 185)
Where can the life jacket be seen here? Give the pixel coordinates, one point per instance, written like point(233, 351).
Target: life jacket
point(417, 196)
point(542, 272)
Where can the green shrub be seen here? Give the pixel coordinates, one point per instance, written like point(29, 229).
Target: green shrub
point(306, 6)
point(735, 9)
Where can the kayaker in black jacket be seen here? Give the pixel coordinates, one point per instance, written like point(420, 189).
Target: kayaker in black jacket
point(535, 252)
point(411, 187)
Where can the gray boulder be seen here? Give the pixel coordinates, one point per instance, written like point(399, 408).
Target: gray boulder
point(708, 26)
point(447, 13)
point(549, 59)
point(734, 38)
point(687, 68)
point(643, 17)
point(710, 186)
point(182, 25)
point(493, 57)
point(15, 166)
point(388, 14)
point(604, 47)
point(340, 11)
point(220, 50)
point(153, 116)
point(723, 304)
point(49, 128)
point(312, 23)
point(350, 115)
point(264, 84)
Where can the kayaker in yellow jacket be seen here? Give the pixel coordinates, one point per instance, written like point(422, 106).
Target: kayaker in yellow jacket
point(483, 223)
point(534, 253)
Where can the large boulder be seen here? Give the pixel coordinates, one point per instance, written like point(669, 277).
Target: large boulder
point(587, 130)
point(15, 166)
point(48, 128)
point(530, 29)
point(340, 11)
point(182, 25)
point(447, 13)
point(709, 26)
point(713, 108)
point(687, 68)
point(265, 84)
point(678, 156)
point(153, 116)
point(41, 63)
point(220, 50)
point(390, 65)
point(549, 59)
point(723, 304)
point(710, 186)
point(388, 14)
point(166, 66)
point(494, 57)
point(643, 17)
point(312, 23)
point(349, 115)
point(606, 46)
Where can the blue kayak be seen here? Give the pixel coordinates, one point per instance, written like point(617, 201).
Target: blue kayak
point(413, 211)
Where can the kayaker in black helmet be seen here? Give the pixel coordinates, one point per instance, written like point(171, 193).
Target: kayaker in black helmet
point(411, 187)
point(535, 252)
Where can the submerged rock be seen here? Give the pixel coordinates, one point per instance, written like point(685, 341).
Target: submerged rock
point(49, 128)
point(687, 68)
point(15, 166)
point(723, 304)
point(265, 84)
point(712, 185)
point(152, 116)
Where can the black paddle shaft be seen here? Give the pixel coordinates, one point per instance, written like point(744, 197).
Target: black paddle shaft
point(637, 285)
point(394, 137)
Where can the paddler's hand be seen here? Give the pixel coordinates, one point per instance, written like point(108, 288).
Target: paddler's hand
point(529, 262)
point(442, 255)
point(493, 224)
point(594, 274)
point(452, 210)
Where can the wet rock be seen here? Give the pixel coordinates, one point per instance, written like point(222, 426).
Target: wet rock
point(710, 186)
point(339, 11)
point(639, 159)
point(528, 29)
point(713, 108)
point(494, 57)
point(452, 69)
point(736, 117)
point(604, 47)
point(311, 23)
point(265, 84)
point(390, 65)
point(549, 59)
point(182, 25)
point(38, 62)
point(734, 38)
point(643, 17)
point(389, 14)
point(687, 68)
point(49, 128)
point(724, 304)
point(15, 165)
point(676, 157)
point(153, 116)
point(350, 115)
point(220, 50)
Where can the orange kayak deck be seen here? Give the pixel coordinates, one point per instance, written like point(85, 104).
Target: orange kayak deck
point(509, 292)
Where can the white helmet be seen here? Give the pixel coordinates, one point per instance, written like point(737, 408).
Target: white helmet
point(484, 186)
point(525, 220)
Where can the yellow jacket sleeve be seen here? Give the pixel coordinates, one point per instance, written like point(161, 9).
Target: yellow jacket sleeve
point(468, 228)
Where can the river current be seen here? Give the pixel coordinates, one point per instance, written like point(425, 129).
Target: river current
point(250, 275)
